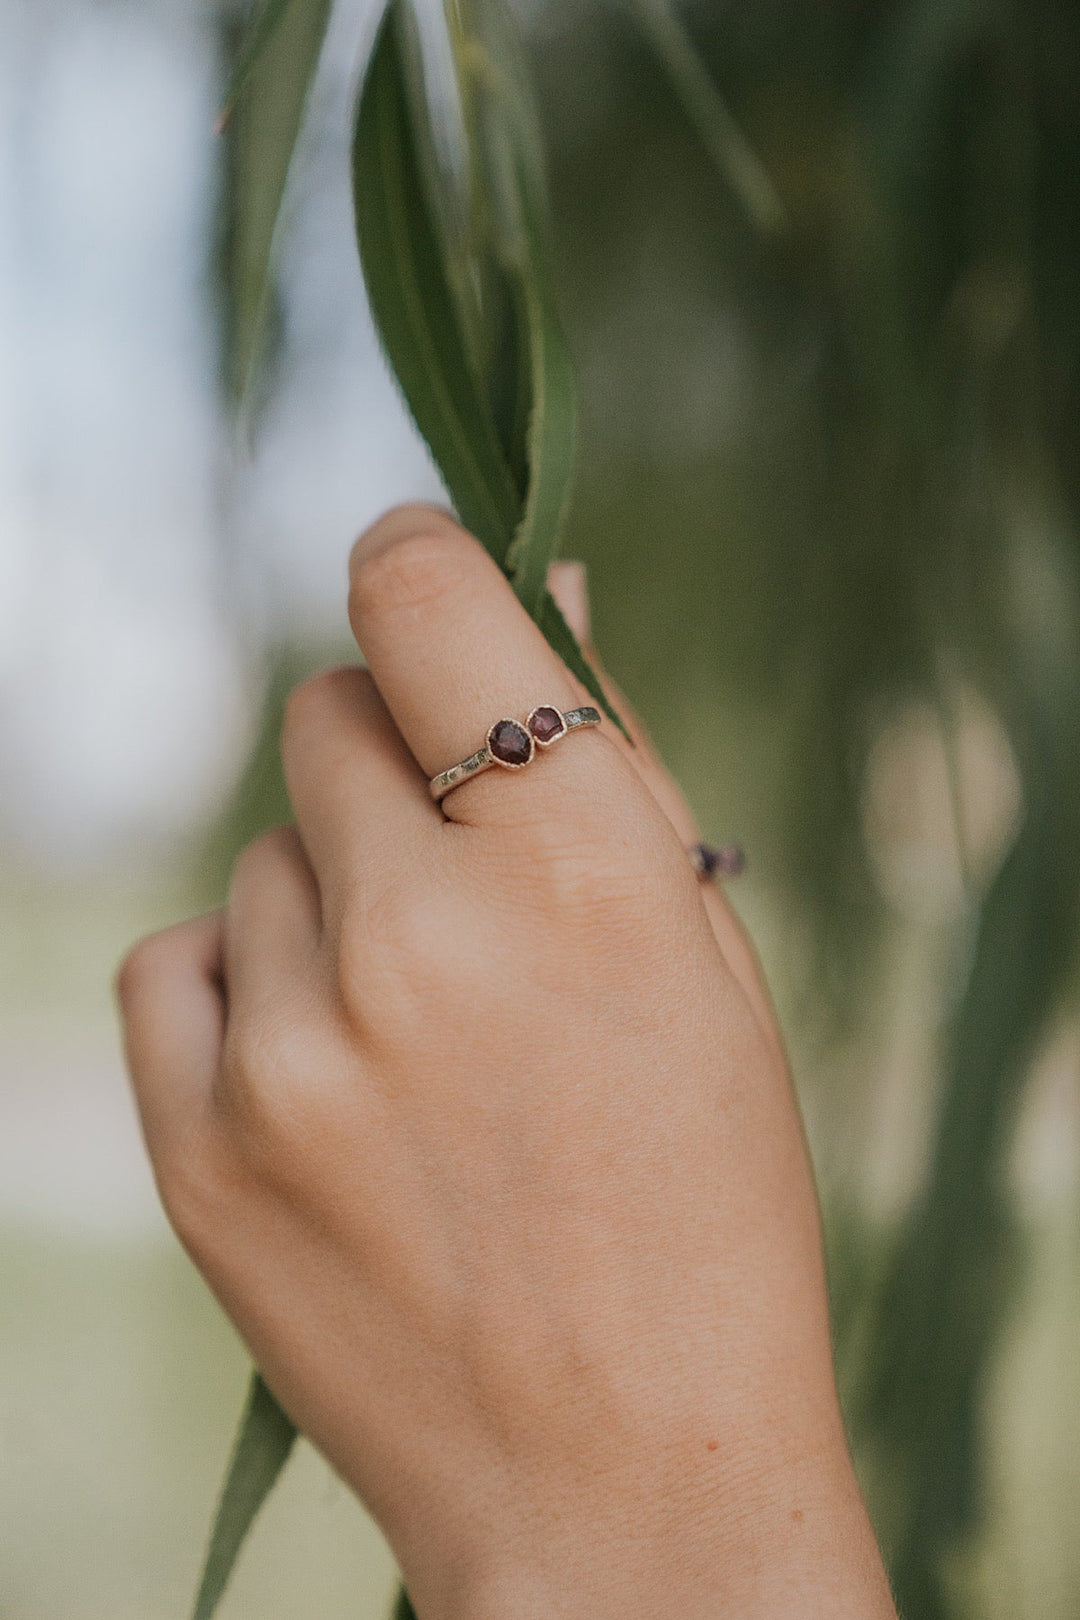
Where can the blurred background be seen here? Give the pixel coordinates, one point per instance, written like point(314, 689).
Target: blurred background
point(829, 498)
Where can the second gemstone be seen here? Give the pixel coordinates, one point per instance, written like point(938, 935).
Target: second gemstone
point(546, 724)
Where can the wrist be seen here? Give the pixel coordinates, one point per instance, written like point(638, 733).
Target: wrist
point(763, 1538)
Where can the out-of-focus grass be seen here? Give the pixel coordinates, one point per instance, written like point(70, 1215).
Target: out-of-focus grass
point(119, 1385)
point(119, 1377)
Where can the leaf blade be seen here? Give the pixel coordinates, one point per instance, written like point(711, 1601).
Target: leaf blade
point(413, 304)
point(718, 129)
point(952, 1266)
point(263, 27)
point(422, 334)
point(565, 643)
point(552, 445)
point(504, 130)
point(267, 113)
point(263, 1444)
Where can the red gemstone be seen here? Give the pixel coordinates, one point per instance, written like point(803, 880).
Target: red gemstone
point(546, 724)
point(510, 743)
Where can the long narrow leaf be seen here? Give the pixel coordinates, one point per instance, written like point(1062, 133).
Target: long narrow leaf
point(709, 113)
point(263, 1443)
point(267, 102)
point(563, 640)
point(441, 148)
point(551, 444)
point(263, 27)
point(413, 304)
point(421, 329)
point(946, 1283)
point(504, 128)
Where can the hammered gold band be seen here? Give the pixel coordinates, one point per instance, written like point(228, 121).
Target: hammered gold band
point(512, 744)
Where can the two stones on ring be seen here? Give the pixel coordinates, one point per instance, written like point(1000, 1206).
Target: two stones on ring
point(513, 744)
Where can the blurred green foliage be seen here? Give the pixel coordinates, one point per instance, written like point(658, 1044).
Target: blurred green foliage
point(913, 373)
point(828, 472)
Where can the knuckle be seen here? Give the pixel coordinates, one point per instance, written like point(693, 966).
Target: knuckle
point(263, 1093)
point(131, 973)
point(584, 877)
point(249, 865)
point(411, 571)
point(610, 859)
point(192, 1188)
point(139, 968)
point(394, 961)
point(308, 704)
point(259, 859)
point(300, 707)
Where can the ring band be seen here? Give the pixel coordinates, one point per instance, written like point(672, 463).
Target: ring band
point(512, 745)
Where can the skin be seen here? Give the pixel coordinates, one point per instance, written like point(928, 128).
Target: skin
point(477, 1122)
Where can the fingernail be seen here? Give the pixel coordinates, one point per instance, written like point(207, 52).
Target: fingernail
point(568, 583)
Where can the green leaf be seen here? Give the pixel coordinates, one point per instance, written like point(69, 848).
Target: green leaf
point(509, 379)
point(263, 1444)
point(709, 113)
point(264, 109)
point(562, 638)
point(949, 1274)
point(551, 442)
point(403, 1609)
point(260, 32)
point(413, 302)
point(505, 133)
point(423, 326)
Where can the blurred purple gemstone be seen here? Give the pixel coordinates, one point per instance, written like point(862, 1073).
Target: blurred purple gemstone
point(723, 860)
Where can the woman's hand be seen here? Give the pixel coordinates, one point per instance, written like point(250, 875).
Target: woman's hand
point(476, 1120)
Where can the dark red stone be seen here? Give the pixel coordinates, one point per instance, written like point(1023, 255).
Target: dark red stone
point(546, 724)
point(510, 742)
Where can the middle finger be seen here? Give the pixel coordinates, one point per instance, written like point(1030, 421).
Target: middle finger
point(359, 798)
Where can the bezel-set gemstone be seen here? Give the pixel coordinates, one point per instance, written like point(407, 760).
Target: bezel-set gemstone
point(546, 724)
point(727, 860)
point(511, 744)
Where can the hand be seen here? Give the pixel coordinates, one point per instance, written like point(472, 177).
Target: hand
point(477, 1122)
